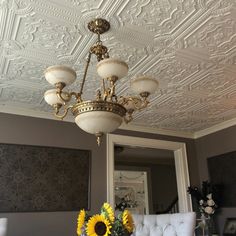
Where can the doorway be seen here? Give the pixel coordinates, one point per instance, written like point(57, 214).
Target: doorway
point(180, 158)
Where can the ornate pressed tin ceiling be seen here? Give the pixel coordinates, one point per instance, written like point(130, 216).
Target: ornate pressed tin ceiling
point(188, 45)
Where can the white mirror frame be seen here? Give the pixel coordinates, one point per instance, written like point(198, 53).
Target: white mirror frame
point(181, 164)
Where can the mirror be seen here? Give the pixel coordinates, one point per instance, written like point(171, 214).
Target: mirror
point(131, 191)
point(145, 180)
point(180, 159)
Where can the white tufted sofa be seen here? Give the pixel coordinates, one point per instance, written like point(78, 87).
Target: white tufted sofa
point(179, 224)
point(3, 226)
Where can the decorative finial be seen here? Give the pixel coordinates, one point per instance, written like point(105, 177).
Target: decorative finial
point(99, 138)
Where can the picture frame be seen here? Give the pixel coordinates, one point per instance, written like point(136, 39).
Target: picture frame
point(230, 227)
point(44, 179)
point(131, 188)
point(221, 172)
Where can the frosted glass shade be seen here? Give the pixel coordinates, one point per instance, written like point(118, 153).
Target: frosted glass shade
point(144, 84)
point(112, 67)
point(94, 122)
point(51, 97)
point(60, 74)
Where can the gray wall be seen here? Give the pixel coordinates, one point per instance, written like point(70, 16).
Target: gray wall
point(164, 184)
point(212, 145)
point(42, 132)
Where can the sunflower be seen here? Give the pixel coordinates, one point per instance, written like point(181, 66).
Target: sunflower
point(127, 221)
point(98, 225)
point(107, 209)
point(81, 220)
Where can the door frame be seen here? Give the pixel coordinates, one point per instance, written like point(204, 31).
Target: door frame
point(181, 164)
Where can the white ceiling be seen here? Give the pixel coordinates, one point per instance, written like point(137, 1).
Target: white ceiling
point(188, 45)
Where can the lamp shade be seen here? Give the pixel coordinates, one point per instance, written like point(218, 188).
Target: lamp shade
point(94, 122)
point(112, 67)
point(98, 116)
point(51, 97)
point(60, 74)
point(144, 84)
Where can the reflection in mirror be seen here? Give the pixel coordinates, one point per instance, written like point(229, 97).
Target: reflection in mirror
point(131, 191)
point(145, 180)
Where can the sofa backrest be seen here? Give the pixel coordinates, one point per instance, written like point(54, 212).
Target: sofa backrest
point(3, 226)
point(179, 224)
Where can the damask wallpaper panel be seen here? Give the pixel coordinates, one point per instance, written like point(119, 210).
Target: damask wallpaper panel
point(222, 172)
point(34, 178)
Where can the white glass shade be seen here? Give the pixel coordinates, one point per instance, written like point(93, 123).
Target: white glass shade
point(112, 67)
point(98, 121)
point(52, 98)
point(144, 84)
point(60, 74)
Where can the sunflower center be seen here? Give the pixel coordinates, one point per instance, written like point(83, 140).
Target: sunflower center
point(100, 228)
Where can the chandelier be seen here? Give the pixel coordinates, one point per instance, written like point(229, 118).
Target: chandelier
point(107, 111)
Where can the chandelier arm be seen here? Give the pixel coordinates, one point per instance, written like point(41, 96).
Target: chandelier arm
point(66, 98)
point(57, 110)
point(145, 103)
point(85, 74)
point(128, 118)
point(77, 96)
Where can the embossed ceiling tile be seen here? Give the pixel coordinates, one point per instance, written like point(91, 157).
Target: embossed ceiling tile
point(134, 36)
point(230, 70)
point(211, 83)
point(223, 7)
point(183, 124)
point(11, 14)
point(40, 34)
point(213, 113)
point(43, 106)
point(131, 55)
point(179, 102)
point(189, 46)
point(58, 10)
point(86, 5)
point(193, 55)
point(158, 117)
point(26, 70)
point(172, 72)
point(162, 16)
point(22, 96)
point(217, 34)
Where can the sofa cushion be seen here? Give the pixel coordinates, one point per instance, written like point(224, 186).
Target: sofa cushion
point(179, 224)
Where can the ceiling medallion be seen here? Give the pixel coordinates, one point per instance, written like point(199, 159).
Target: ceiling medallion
point(107, 111)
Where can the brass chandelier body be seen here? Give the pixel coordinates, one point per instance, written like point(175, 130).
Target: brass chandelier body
point(107, 111)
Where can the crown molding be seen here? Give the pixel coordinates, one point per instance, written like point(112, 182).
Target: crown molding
point(129, 127)
point(215, 128)
point(31, 113)
point(153, 130)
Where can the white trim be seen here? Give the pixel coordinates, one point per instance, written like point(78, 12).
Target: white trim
point(146, 192)
point(46, 115)
point(191, 135)
point(181, 164)
point(32, 113)
point(153, 130)
point(215, 128)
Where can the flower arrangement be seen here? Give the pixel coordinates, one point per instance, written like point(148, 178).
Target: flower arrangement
point(105, 223)
point(206, 198)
